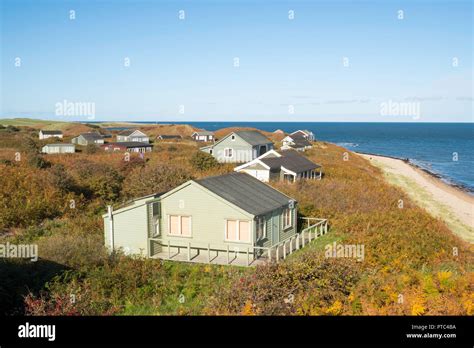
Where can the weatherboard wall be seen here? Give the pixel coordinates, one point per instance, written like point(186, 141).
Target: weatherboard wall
point(208, 212)
point(130, 229)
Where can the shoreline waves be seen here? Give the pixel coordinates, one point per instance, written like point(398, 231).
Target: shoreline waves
point(436, 176)
point(452, 204)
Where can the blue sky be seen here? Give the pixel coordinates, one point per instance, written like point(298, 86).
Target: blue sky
point(290, 70)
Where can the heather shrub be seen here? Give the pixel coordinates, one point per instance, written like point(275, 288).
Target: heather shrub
point(151, 179)
point(309, 284)
point(27, 197)
point(91, 149)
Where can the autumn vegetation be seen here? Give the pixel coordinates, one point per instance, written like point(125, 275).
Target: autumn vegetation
point(413, 264)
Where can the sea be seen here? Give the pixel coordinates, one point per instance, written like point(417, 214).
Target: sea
point(445, 150)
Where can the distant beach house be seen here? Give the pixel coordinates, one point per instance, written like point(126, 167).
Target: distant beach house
point(284, 165)
point(58, 148)
point(239, 147)
point(45, 134)
point(168, 137)
point(129, 135)
point(204, 220)
point(296, 142)
point(131, 146)
point(307, 134)
point(88, 139)
point(205, 136)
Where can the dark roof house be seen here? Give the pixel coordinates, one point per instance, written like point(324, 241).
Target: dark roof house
point(296, 142)
point(284, 165)
point(45, 134)
point(129, 146)
point(205, 221)
point(88, 138)
point(129, 135)
point(203, 136)
point(239, 147)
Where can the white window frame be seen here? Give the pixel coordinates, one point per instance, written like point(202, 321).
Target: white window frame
point(231, 152)
point(232, 137)
point(285, 211)
point(262, 220)
point(179, 226)
point(156, 228)
point(238, 231)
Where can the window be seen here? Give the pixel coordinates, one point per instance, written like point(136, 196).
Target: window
point(156, 212)
point(156, 230)
point(237, 231)
point(287, 218)
point(228, 152)
point(156, 208)
point(232, 137)
point(261, 228)
point(179, 225)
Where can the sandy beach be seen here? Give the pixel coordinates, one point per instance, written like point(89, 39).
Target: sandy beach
point(442, 200)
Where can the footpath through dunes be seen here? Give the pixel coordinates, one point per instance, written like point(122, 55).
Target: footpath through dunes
point(451, 204)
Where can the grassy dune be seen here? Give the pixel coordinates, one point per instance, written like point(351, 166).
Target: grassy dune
point(425, 199)
point(413, 264)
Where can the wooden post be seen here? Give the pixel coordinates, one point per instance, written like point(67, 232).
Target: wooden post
point(248, 262)
point(277, 253)
point(169, 249)
point(189, 251)
point(297, 241)
point(302, 235)
point(326, 227)
point(208, 253)
point(269, 254)
point(309, 236)
point(291, 245)
point(227, 254)
point(284, 250)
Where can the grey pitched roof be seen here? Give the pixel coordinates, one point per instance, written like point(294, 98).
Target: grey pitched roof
point(300, 141)
point(51, 132)
point(246, 192)
point(204, 133)
point(253, 137)
point(91, 136)
point(291, 160)
point(127, 132)
point(299, 131)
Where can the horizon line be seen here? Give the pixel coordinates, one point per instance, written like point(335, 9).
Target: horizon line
point(232, 121)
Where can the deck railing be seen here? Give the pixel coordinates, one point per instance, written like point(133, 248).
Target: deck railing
point(315, 228)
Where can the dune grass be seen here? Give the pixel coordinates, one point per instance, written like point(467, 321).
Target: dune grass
point(425, 200)
point(408, 253)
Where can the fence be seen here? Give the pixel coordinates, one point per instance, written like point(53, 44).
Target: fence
point(241, 256)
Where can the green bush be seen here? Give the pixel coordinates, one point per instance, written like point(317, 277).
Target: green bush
point(203, 161)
